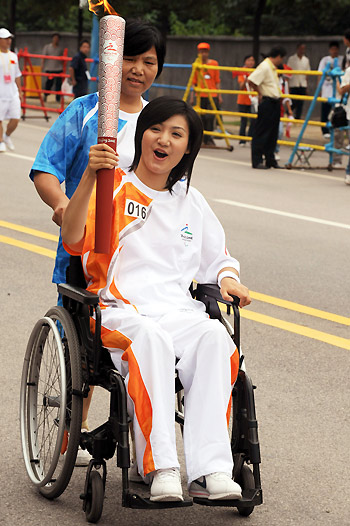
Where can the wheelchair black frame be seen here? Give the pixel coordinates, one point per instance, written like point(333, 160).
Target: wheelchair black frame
point(98, 369)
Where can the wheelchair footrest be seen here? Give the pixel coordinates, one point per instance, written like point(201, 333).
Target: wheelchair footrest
point(250, 497)
point(132, 500)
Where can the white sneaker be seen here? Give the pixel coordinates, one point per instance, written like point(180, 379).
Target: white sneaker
point(8, 142)
point(326, 135)
point(277, 157)
point(83, 456)
point(337, 165)
point(216, 486)
point(166, 485)
point(347, 147)
point(2, 146)
point(347, 178)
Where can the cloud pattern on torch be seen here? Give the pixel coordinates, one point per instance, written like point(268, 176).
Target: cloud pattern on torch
point(112, 29)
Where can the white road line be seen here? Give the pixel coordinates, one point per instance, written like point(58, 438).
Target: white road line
point(286, 172)
point(282, 213)
point(19, 156)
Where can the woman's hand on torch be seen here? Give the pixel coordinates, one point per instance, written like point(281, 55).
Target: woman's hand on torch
point(101, 156)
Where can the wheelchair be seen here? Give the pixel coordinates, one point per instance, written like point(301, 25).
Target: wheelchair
point(63, 358)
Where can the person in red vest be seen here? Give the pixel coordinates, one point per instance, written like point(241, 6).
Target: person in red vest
point(212, 79)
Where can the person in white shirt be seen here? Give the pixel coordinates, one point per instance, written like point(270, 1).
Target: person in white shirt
point(10, 90)
point(346, 40)
point(343, 89)
point(164, 235)
point(334, 59)
point(298, 83)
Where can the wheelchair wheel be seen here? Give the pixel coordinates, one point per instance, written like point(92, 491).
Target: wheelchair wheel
point(246, 481)
point(51, 402)
point(94, 497)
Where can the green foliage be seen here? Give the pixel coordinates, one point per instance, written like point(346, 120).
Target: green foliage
point(192, 17)
point(196, 27)
point(45, 15)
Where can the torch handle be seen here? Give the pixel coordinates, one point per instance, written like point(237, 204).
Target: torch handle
point(104, 203)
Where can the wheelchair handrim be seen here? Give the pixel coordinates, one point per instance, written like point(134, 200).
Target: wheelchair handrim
point(28, 417)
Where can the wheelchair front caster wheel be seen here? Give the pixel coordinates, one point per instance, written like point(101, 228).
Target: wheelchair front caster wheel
point(94, 497)
point(246, 482)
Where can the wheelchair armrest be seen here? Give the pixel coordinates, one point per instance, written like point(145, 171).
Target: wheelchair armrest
point(78, 294)
point(213, 291)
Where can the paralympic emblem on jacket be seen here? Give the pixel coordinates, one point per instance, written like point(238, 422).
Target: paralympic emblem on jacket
point(186, 235)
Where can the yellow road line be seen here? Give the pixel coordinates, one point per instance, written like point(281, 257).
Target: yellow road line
point(331, 339)
point(28, 246)
point(30, 231)
point(303, 309)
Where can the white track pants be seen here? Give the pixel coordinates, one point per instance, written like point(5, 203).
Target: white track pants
point(144, 350)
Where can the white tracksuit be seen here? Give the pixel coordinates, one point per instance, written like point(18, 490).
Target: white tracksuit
point(161, 241)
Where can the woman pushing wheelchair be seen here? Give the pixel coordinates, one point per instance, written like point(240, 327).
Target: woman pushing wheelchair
point(164, 235)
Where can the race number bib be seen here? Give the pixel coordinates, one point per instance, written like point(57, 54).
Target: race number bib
point(7, 79)
point(135, 209)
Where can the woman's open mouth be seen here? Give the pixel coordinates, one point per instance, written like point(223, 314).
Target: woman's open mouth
point(160, 154)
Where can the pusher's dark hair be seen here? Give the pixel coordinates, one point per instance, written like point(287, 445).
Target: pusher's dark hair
point(140, 36)
point(158, 111)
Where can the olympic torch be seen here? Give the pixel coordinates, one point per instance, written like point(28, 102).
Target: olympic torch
point(111, 44)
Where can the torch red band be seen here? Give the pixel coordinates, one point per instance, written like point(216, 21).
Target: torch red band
point(104, 203)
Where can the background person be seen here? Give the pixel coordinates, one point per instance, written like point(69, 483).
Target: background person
point(245, 101)
point(286, 107)
point(298, 83)
point(78, 71)
point(327, 87)
point(212, 78)
point(346, 40)
point(264, 79)
point(50, 65)
point(10, 90)
point(343, 89)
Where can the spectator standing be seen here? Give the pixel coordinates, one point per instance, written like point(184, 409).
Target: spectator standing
point(10, 90)
point(334, 59)
point(343, 89)
point(245, 101)
point(298, 83)
point(212, 79)
point(50, 65)
point(78, 70)
point(346, 40)
point(264, 79)
point(286, 107)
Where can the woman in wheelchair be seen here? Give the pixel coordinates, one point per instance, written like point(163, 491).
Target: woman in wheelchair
point(164, 235)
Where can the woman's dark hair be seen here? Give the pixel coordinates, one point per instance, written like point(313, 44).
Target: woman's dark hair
point(158, 111)
point(140, 36)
